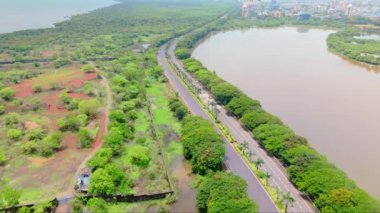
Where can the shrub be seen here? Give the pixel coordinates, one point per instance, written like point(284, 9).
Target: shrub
point(96, 205)
point(85, 138)
point(1, 109)
point(69, 123)
point(14, 134)
point(11, 119)
point(35, 134)
point(35, 104)
point(9, 197)
point(89, 107)
point(64, 97)
point(2, 157)
point(139, 155)
point(37, 89)
point(7, 94)
point(88, 68)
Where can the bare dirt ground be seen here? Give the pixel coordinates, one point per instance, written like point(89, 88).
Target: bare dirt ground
point(45, 178)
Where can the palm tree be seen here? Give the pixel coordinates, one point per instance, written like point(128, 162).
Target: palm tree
point(245, 145)
point(258, 163)
point(266, 176)
point(250, 154)
point(287, 200)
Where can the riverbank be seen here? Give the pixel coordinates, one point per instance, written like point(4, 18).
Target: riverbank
point(279, 151)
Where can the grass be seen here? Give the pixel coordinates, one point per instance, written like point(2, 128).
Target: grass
point(161, 112)
point(56, 77)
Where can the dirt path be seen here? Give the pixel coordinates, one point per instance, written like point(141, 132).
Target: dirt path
point(70, 192)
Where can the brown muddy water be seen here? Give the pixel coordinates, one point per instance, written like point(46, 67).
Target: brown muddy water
point(186, 195)
point(332, 102)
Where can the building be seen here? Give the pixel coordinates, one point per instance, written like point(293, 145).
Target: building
point(249, 5)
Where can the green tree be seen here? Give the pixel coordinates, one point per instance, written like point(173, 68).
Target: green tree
point(14, 134)
point(224, 192)
point(7, 94)
point(85, 138)
point(96, 205)
point(100, 159)
point(89, 107)
point(287, 200)
point(139, 155)
point(224, 92)
point(88, 68)
point(101, 183)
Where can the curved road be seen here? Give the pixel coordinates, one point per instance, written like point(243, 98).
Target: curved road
point(233, 160)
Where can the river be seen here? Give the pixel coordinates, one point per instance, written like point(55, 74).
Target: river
point(335, 104)
point(32, 14)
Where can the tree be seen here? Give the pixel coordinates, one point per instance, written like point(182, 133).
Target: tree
point(267, 176)
point(224, 92)
point(139, 155)
point(242, 105)
point(254, 119)
point(258, 163)
point(88, 68)
point(100, 159)
point(286, 200)
point(7, 94)
point(89, 107)
point(114, 138)
point(101, 183)
point(182, 53)
point(224, 192)
point(96, 205)
point(9, 197)
point(85, 138)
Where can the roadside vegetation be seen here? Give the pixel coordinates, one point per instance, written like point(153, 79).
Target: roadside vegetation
point(217, 191)
point(327, 186)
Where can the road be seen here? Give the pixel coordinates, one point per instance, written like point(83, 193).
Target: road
point(233, 160)
point(279, 178)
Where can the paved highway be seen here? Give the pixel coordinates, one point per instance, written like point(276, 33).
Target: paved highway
point(279, 178)
point(233, 160)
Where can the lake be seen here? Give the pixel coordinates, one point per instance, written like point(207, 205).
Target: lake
point(335, 104)
point(32, 14)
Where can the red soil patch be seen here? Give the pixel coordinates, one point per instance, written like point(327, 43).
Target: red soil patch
point(39, 161)
point(31, 125)
point(78, 95)
point(52, 104)
point(70, 141)
point(78, 82)
point(23, 89)
point(101, 132)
